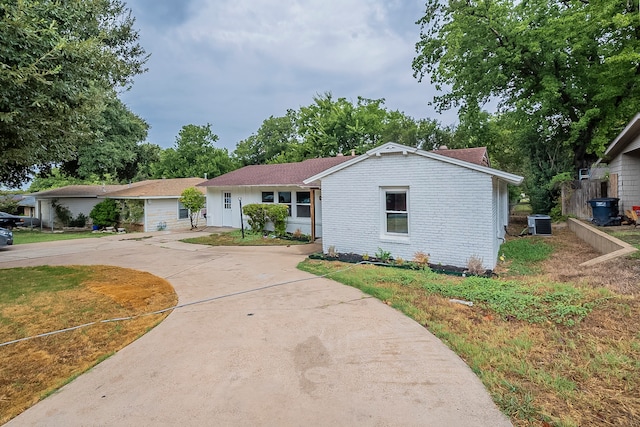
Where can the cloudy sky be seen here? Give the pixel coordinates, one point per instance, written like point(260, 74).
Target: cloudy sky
point(234, 63)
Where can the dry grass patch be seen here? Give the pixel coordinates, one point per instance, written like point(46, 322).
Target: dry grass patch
point(43, 299)
point(581, 371)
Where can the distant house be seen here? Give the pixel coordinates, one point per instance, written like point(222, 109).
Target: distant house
point(404, 200)
point(160, 198)
point(275, 183)
point(623, 156)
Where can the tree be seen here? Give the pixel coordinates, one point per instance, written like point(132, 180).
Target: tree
point(194, 155)
point(274, 138)
point(114, 151)
point(330, 126)
point(193, 200)
point(566, 72)
point(59, 61)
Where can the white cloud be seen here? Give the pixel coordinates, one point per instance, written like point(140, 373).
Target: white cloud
point(350, 36)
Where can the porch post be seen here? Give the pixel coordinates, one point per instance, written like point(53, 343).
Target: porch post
point(313, 215)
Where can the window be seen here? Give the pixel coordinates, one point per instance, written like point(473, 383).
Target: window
point(267, 197)
point(303, 204)
point(227, 200)
point(396, 213)
point(284, 197)
point(183, 213)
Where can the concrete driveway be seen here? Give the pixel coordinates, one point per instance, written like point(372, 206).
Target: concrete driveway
point(311, 352)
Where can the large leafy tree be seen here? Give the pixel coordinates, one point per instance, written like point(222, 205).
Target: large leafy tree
point(566, 72)
point(194, 155)
point(114, 151)
point(274, 138)
point(59, 62)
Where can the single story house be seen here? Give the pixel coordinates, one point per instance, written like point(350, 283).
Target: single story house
point(274, 183)
point(623, 156)
point(404, 200)
point(160, 199)
point(447, 203)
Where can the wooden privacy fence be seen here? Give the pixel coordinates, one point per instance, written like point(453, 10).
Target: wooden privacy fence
point(576, 194)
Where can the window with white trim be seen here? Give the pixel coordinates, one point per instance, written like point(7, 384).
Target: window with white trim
point(303, 204)
point(183, 212)
point(284, 198)
point(396, 212)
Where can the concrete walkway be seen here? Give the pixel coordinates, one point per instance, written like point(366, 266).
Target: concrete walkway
point(311, 352)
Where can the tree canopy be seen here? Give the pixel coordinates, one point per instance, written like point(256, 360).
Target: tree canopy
point(330, 126)
point(194, 155)
point(566, 73)
point(114, 151)
point(59, 62)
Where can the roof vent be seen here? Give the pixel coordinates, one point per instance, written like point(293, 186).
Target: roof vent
point(339, 155)
point(443, 147)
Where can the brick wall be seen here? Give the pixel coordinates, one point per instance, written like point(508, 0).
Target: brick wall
point(451, 210)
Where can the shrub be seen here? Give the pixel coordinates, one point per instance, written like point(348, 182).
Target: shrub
point(258, 215)
point(105, 213)
point(79, 221)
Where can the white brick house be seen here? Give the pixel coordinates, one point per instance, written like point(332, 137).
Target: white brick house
point(404, 200)
point(623, 155)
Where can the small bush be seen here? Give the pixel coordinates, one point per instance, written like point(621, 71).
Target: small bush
point(421, 259)
point(79, 221)
point(258, 215)
point(105, 213)
point(383, 255)
point(474, 265)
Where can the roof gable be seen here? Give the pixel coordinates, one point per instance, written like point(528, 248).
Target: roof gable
point(278, 174)
point(392, 147)
point(628, 134)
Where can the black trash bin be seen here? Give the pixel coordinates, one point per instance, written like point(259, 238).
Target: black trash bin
point(605, 211)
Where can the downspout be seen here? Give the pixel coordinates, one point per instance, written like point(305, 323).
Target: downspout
point(313, 214)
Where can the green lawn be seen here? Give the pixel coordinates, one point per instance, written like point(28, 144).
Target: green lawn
point(549, 353)
point(21, 237)
point(234, 238)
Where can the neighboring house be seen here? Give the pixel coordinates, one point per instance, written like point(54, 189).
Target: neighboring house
point(623, 156)
point(275, 183)
point(79, 199)
point(160, 198)
point(404, 200)
point(162, 207)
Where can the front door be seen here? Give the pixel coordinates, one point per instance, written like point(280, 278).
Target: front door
point(227, 217)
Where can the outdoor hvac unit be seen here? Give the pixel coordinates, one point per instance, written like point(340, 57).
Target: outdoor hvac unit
point(539, 225)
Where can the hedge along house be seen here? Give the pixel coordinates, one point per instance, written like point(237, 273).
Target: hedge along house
point(160, 199)
point(447, 203)
point(282, 183)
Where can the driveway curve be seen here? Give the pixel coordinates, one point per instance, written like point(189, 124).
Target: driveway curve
point(306, 352)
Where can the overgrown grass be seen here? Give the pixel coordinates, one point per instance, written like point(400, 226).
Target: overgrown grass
point(42, 299)
point(555, 353)
point(234, 238)
point(524, 254)
point(24, 236)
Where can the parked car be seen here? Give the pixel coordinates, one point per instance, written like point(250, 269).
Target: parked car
point(6, 237)
point(29, 221)
point(9, 221)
